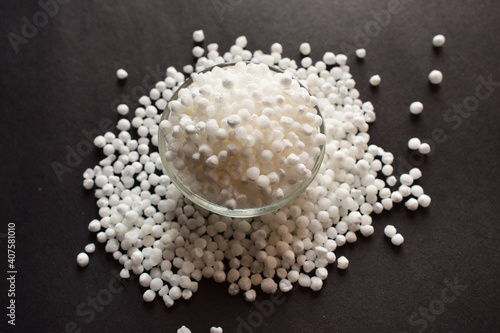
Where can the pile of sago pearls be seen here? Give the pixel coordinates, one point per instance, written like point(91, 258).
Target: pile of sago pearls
point(154, 232)
point(243, 136)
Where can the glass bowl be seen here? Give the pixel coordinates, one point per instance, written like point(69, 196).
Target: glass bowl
point(205, 203)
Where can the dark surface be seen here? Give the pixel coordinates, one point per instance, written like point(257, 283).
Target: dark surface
point(62, 82)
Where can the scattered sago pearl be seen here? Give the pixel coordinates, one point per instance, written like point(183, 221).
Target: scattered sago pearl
point(121, 74)
point(277, 47)
point(198, 36)
point(424, 200)
point(416, 107)
point(397, 239)
point(306, 62)
point(396, 197)
point(424, 148)
point(329, 58)
point(342, 262)
point(90, 248)
point(390, 231)
point(414, 143)
point(411, 204)
point(82, 259)
point(360, 53)
point(183, 329)
point(250, 295)
point(391, 180)
point(188, 69)
point(435, 77)
point(375, 80)
point(198, 51)
point(417, 190)
point(415, 173)
point(366, 230)
point(241, 41)
point(406, 179)
point(438, 40)
point(305, 49)
point(316, 283)
point(122, 109)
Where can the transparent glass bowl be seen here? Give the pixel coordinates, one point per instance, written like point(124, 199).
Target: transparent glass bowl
point(222, 210)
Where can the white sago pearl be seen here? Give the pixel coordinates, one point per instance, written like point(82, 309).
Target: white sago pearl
point(156, 284)
point(241, 41)
point(341, 59)
point(438, 40)
point(322, 273)
point(88, 184)
point(125, 273)
point(404, 190)
point(305, 48)
point(121, 74)
point(390, 231)
point(375, 80)
point(306, 62)
point(342, 262)
point(175, 292)
point(387, 203)
point(277, 47)
point(154, 94)
point(414, 143)
point(149, 295)
point(304, 280)
point(90, 248)
point(183, 329)
point(316, 283)
point(417, 190)
point(415, 173)
point(169, 302)
point(122, 109)
point(253, 173)
point(216, 329)
point(145, 280)
point(123, 125)
point(188, 69)
point(424, 148)
point(250, 295)
point(329, 58)
point(198, 36)
point(360, 53)
point(391, 180)
point(406, 179)
point(145, 100)
point(416, 107)
point(269, 286)
point(285, 285)
point(94, 226)
point(387, 169)
point(411, 204)
point(262, 181)
point(198, 51)
point(424, 200)
point(397, 239)
point(82, 259)
point(99, 141)
point(435, 77)
point(366, 230)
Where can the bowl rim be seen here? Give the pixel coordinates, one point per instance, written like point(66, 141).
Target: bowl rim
point(223, 210)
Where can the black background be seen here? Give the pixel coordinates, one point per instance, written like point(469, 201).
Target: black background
point(62, 82)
